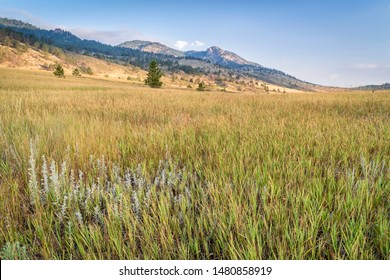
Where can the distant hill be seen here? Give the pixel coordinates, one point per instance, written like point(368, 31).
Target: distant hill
point(16, 23)
point(385, 86)
point(69, 42)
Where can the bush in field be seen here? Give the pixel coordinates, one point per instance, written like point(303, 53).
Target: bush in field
point(86, 69)
point(201, 86)
point(59, 71)
point(76, 72)
point(89, 71)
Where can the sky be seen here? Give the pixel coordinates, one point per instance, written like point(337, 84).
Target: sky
point(333, 42)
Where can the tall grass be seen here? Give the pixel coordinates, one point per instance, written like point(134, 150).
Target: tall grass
point(93, 169)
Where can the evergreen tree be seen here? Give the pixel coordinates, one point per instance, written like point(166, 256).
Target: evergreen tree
point(154, 75)
point(201, 86)
point(59, 72)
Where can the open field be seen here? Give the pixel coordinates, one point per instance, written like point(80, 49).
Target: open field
point(102, 169)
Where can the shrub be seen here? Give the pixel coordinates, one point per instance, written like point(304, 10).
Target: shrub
point(76, 72)
point(59, 71)
point(201, 86)
point(86, 69)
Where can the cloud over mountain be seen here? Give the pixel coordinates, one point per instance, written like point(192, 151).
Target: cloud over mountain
point(112, 37)
point(183, 44)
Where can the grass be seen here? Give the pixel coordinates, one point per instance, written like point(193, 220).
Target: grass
point(99, 169)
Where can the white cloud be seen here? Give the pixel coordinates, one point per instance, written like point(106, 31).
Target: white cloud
point(184, 44)
point(26, 16)
point(112, 37)
point(181, 44)
point(197, 44)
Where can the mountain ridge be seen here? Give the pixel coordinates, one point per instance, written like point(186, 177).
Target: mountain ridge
point(213, 54)
point(217, 55)
point(152, 47)
point(213, 60)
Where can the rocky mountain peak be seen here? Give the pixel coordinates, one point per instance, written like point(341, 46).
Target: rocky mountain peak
point(215, 49)
point(151, 47)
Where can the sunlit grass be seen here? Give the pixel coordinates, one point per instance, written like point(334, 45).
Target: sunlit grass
point(97, 169)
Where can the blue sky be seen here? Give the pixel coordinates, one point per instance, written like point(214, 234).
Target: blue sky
point(341, 43)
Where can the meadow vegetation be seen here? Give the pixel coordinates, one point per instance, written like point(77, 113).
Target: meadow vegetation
point(99, 169)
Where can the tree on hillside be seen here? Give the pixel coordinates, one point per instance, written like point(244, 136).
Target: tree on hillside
point(59, 71)
point(76, 72)
point(86, 69)
point(6, 41)
point(154, 75)
point(201, 86)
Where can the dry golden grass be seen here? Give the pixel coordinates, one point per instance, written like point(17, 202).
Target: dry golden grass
point(181, 174)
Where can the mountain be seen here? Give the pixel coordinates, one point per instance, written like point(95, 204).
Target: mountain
point(218, 64)
point(230, 60)
point(151, 47)
point(214, 54)
point(219, 56)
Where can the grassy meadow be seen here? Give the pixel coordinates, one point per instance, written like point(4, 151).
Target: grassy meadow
point(104, 169)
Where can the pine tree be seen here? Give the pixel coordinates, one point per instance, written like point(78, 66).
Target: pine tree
point(201, 86)
point(59, 72)
point(154, 75)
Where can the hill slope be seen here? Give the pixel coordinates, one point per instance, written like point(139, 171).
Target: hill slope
point(385, 86)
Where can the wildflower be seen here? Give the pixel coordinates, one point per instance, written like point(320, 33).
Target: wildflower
point(33, 183)
point(116, 174)
point(79, 218)
point(71, 179)
point(97, 215)
point(63, 208)
point(45, 179)
point(136, 207)
point(127, 179)
point(63, 171)
point(54, 179)
point(81, 175)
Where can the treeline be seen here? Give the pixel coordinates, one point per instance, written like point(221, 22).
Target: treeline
point(385, 86)
point(20, 41)
point(57, 41)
